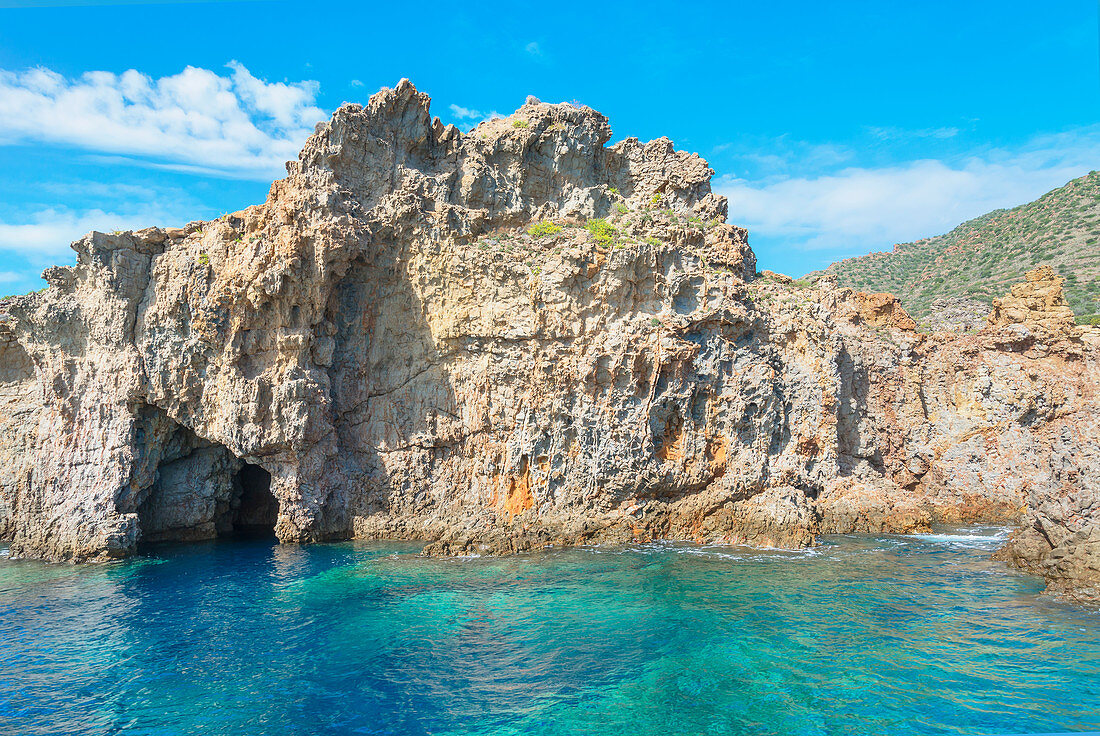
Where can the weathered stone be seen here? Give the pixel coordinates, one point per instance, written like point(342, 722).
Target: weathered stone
point(957, 314)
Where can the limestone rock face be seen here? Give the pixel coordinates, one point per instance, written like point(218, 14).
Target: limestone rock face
point(19, 410)
point(498, 341)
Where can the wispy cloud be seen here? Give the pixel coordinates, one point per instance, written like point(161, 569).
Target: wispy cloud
point(854, 210)
point(42, 235)
point(533, 49)
point(767, 158)
point(892, 134)
point(234, 123)
point(45, 236)
point(465, 113)
point(467, 118)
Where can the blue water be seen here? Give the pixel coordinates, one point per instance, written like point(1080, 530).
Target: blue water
point(891, 635)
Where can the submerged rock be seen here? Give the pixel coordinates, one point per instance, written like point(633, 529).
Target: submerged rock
point(508, 339)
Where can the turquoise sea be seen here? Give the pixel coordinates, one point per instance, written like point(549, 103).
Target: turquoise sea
point(862, 635)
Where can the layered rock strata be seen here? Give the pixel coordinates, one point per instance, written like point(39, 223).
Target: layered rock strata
point(507, 339)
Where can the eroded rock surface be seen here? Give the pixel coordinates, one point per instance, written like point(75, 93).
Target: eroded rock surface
point(502, 340)
point(957, 314)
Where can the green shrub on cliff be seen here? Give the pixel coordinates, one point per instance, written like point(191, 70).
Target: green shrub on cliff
point(601, 231)
point(542, 228)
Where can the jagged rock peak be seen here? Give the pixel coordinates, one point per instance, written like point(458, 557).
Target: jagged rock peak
point(543, 161)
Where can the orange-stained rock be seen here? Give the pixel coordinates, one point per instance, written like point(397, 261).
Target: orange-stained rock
point(875, 310)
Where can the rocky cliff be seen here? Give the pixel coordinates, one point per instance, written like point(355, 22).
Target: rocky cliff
point(513, 338)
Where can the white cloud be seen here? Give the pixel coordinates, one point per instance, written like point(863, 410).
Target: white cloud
point(855, 210)
point(465, 113)
point(234, 124)
point(44, 236)
point(891, 133)
point(357, 83)
point(468, 118)
point(533, 49)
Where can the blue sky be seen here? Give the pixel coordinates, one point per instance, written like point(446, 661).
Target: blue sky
point(834, 128)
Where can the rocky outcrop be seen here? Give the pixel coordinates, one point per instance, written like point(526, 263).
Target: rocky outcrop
point(1060, 537)
point(498, 341)
point(1039, 304)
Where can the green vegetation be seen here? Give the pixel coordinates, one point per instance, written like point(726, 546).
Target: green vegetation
point(520, 124)
point(204, 259)
point(602, 231)
point(543, 228)
point(983, 257)
point(613, 191)
point(621, 208)
point(656, 198)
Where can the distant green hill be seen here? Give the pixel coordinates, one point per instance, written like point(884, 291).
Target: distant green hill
point(981, 258)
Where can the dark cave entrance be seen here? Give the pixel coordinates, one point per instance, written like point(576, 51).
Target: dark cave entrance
point(198, 488)
point(256, 510)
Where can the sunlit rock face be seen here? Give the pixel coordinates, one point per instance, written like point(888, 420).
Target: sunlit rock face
point(502, 340)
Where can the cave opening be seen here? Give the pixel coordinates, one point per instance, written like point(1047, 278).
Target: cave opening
point(195, 488)
point(257, 509)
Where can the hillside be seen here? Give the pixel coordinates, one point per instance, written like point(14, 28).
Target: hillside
point(981, 258)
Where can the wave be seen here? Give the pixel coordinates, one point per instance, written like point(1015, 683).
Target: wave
point(966, 537)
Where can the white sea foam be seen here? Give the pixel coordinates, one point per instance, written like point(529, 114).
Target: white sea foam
point(966, 537)
point(744, 551)
point(723, 552)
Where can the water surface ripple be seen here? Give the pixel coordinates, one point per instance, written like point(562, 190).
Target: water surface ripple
point(902, 635)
